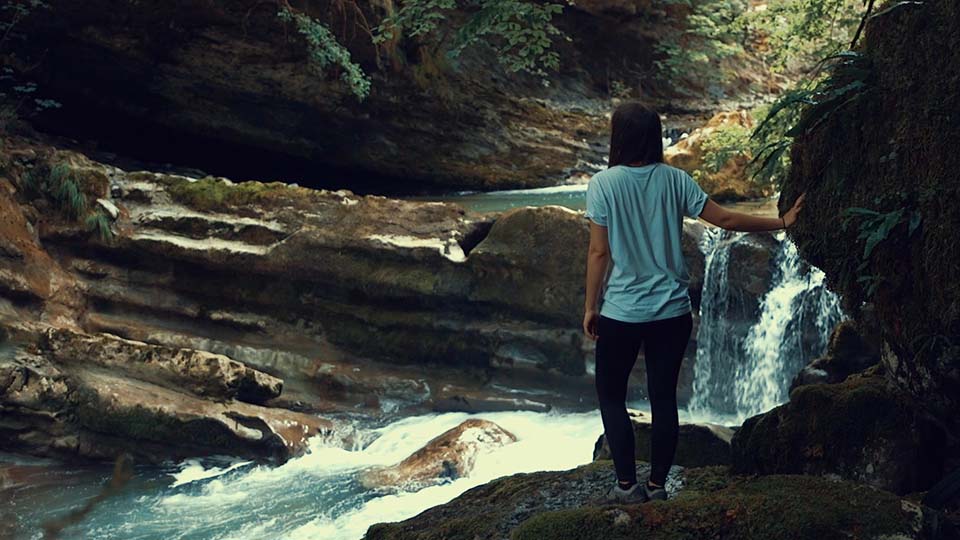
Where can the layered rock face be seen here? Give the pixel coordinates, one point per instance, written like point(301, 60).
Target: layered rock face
point(234, 80)
point(94, 397)
point(293, 280)
point(891, 149)
point(387, 305)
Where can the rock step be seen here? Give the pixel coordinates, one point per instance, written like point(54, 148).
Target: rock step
point(699, 445)
point(198, 372)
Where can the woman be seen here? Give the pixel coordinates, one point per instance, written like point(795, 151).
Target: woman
point(636, 208)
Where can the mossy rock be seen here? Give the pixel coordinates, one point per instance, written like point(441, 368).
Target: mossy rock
point(218, 194)
point(892, 147)
point(711, 504)
point(746, 508)
point(861, 429)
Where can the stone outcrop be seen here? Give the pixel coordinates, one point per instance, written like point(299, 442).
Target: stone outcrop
point(891, 148)
point(296, 282)
point(699, 445)
point(862, 429)
point(449, 456)
point(201, 373)
point(235, 80)
point(69, 396)
point(710, 504)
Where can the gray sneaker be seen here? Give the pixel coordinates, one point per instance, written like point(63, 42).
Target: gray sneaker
point(636, 494)
point(655, 494)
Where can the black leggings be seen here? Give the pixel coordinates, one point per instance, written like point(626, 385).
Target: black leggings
point(617, 347)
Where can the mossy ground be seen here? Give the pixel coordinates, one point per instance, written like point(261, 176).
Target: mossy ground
point(747, 508)
point(712, 504)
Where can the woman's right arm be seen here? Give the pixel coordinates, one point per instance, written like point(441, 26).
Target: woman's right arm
point(735, 221)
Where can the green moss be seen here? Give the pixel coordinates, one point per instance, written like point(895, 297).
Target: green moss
point(214, 194)
point(712, 504)
point(575, 524)
point(747, 508)
point(861, 428)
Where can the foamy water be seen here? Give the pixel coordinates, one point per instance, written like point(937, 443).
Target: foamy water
point(319, 496)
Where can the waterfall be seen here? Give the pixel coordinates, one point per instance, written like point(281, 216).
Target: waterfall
point(714, 339)
point(746, 369)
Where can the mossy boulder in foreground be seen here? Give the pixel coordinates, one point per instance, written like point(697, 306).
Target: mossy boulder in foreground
point(712, 504)
point(862, 429)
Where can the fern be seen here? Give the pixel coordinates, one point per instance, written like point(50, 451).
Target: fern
point(58, 185)
point(874, 228)
point(66, 191)
point(843, 79)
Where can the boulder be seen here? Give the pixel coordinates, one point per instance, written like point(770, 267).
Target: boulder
point(534, 258)
point(847, 353)
point(892, 147)
point(862, 429)
point(698, 445)
point(446, 457)
point(709, 503)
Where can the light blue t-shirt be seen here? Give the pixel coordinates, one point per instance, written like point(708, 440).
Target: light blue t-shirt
point(642, 209)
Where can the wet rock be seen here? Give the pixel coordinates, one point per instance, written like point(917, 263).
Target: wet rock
point(448, 456)
point(86, 412)
point(698, 445)
point(862, 429)
point(201, 373)
point(710, 504)
point(848, 352)
point(481, 404)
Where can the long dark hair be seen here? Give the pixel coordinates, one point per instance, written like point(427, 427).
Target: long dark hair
point(636, 136)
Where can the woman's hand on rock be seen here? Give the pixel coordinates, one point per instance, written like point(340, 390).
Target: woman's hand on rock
point(790, 217)
point(591, 320)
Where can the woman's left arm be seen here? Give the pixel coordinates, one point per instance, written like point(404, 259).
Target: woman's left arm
point(598, 258)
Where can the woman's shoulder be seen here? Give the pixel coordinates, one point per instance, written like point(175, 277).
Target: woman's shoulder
point(673, 172)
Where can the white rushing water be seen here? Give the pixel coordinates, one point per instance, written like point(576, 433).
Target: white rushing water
point(777, 334)
point(741, 374)
point(317, 496)
point(713, 336)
